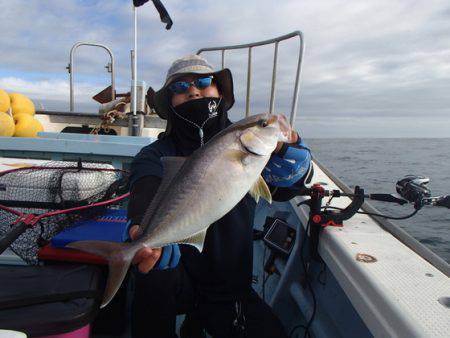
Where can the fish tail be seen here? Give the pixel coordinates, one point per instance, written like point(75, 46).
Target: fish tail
point(119, 256)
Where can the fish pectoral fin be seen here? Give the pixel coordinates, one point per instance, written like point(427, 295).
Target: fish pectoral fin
point(196, 240)
point(260, 189)
point(239, 156)
point(119, 256)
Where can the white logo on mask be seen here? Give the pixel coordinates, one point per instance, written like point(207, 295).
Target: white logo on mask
point(212, 106)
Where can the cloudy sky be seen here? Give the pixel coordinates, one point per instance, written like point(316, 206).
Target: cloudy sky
point(371, 68)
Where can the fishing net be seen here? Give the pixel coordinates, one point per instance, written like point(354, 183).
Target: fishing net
point(53, 196)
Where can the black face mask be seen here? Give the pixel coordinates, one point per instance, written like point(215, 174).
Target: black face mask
point(196, 121)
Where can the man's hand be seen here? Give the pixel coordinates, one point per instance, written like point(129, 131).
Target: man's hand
point(145, 258)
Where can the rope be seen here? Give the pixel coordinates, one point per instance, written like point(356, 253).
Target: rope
point(109, 118)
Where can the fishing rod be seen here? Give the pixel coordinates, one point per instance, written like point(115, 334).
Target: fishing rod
point(279, 236)
point(410, 189)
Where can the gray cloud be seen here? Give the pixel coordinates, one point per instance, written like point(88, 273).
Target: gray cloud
point(367, 59)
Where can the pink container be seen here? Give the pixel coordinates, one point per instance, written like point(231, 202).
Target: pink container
point(83, 332)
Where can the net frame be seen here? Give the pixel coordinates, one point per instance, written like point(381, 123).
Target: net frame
point(42, 218)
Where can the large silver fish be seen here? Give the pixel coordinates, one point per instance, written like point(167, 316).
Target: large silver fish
point(197, 191)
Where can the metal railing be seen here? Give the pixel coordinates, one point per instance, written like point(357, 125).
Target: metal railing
point(276, 42)
point(71, 68)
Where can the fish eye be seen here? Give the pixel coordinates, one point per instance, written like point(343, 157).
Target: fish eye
point(263, 123)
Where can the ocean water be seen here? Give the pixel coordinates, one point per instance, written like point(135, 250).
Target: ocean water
point(376, 164)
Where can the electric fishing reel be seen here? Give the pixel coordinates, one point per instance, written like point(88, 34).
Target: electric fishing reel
point(413, 188)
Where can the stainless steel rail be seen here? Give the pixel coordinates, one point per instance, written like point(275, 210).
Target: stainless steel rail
point(276, 42)
point(71, 68)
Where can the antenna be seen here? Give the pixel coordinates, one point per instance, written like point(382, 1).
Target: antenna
point(134, 122)
point(165, 18)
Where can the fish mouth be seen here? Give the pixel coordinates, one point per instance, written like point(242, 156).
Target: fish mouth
point(248, 150)
point(287, 134)
point(252, 146)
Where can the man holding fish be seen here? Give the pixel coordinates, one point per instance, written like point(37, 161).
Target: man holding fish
point(192, 204)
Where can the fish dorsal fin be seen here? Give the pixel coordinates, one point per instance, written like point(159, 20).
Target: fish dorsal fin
point(260, 189)
point(171, 166)
point(196, 240)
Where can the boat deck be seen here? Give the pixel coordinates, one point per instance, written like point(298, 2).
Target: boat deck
point(397, 294)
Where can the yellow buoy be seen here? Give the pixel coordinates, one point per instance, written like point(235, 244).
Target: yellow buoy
point(21, 104)
point(27, 125)
point(6, 125)
point(5, 101)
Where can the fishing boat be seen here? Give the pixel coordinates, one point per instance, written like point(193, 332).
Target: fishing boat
point(357, 275)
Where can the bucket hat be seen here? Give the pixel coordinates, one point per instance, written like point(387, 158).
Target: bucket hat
point(192, 65)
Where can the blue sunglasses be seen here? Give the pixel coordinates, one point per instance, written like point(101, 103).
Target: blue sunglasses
point(180, 87)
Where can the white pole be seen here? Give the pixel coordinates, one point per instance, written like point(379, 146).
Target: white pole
point(134, 62)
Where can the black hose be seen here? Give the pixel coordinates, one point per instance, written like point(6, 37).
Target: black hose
point(308, 283)
point(378, 215)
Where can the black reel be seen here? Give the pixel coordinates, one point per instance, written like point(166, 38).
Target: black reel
point(414, 189)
